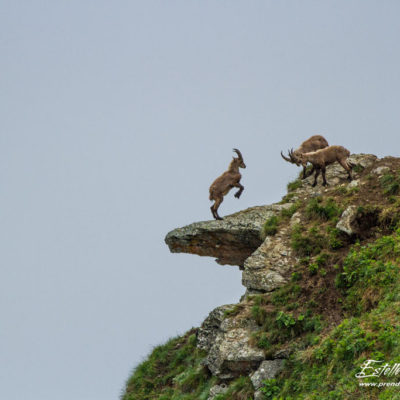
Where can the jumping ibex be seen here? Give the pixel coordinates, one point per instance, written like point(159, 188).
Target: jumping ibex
point(312, 144)
point(323, 157)
point(223, 184)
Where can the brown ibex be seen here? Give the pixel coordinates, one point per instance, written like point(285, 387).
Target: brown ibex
point(224, 183)
point(323, 157)
point(313, 143)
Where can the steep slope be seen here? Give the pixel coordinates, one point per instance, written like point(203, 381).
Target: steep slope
point(320, 270)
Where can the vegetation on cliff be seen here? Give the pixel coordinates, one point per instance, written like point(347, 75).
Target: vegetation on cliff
point(336, 305)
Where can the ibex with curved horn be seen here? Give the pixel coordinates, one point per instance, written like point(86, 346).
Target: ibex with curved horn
point(314, 143)
point(323, 157)
point(224, 183)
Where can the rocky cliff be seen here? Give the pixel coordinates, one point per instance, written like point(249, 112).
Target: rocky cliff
point(301, 289)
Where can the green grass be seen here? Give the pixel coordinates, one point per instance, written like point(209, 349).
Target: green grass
point(324, 360)
point(318, 265)
point(324, 210)
point(325, 354)
point(358, 168)
point(369, 272)
point(307, 243)
point(390, 184)
point(288, 212)
point(286, 294)
point(240, 389)
point(278, 328)
point(294, 185)
point(233, 311)
point(335, 238)
point(389, 217)
point(270, 227)
point(172, 371)
point(270, 389)
point(326, 369)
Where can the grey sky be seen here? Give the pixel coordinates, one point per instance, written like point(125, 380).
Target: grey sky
point(115, 118)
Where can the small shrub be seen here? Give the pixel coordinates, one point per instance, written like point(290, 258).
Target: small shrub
point(358, 168)
point(322, 259)
point(270, 389)
point(259, 300)
point(263, 341)
point(390, 217)
point(233, 311)
point(390, 184)
point(259, 314)
point(313, 268)
point(285, 321)
point(313, 324)
point(327, 211)
point(307, 243)
point(335, 238)
point(270, 227)
point(290, 326)
point(296, 276)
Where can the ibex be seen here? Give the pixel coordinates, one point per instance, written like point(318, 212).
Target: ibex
point(224, 183)
point(323, 157)
point(314, 143)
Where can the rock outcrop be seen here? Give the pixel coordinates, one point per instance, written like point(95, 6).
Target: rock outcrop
point(267, 370)
point(230, 241)
point(348, 221)
point(294, 260)
point(267, 265)
point(216, 390)
point(227, 342)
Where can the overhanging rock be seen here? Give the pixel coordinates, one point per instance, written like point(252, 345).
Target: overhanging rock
point(230, 241)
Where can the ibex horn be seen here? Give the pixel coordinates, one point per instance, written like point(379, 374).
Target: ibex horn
point(285, 158)
point(238, 153)
point(292, 156)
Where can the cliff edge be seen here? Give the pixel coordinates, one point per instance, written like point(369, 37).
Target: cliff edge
point(318, 268)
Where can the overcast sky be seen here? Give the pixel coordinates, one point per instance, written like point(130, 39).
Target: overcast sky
point(115, 118)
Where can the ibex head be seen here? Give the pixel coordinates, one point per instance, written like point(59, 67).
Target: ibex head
point(298, 158)
point(240, 159)
point(294, 157)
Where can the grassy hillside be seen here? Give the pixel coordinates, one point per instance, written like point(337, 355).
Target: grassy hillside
point(340, 308)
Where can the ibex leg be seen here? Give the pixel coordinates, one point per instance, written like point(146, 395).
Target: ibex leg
point(304, 172)
point(214, 208)
point(311, 172)
point(239, 192)
point(317, 170)
point(324, 183)
point(347, 167)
